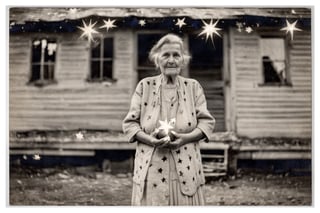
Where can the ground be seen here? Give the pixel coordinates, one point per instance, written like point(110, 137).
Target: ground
point(89, 186)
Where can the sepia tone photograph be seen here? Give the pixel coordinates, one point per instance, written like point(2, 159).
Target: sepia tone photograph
point(160, 106)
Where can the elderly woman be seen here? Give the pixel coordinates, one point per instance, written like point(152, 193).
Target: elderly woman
point(168, 117)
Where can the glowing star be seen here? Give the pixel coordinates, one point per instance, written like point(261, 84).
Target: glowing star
point(88, 30)
point(291, 27)
point(166, 126)
point(36, 157)
point(249, 29)
point(73, 10)
point(142, 22)
point(79, 136)
point(239, 26)
point(108, 24)
point(210, 29)
point(181, 23)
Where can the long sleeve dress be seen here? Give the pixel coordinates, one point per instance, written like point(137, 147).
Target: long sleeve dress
point(163, 176)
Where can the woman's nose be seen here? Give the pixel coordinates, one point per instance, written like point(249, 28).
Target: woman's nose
point(171, 59)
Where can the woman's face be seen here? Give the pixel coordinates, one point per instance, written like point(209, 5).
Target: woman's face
point(170, 59)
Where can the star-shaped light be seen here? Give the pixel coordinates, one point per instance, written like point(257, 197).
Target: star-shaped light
point(291, 27)
point(73, 10)
point(249, 29)
point(239, 26)
point(108, 24)
point(88, 30)
point(36, 157)
point(79, 136)
point(142, 22)
point(181, 23)
point(210, 29)
point(166, 126)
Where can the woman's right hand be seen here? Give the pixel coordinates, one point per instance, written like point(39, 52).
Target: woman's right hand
point(160, 142)
point(152, 140)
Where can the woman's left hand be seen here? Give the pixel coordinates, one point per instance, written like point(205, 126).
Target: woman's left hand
point(180, 140)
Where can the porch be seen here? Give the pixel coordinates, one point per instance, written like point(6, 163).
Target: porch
point(220, 156)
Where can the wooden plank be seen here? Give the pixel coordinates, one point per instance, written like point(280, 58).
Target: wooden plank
point(280, 155)
point(51, 152)
point(106, 144)
point(212, 156)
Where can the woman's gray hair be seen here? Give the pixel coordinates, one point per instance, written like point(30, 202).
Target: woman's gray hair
point(168, 39)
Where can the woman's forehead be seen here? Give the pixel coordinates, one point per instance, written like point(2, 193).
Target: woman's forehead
point(171, 47)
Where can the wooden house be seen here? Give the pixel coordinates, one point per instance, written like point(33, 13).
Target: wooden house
point(257, 76)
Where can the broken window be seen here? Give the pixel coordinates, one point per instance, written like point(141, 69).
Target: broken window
point(102, 60)
point(43, 61)
point(273, 55)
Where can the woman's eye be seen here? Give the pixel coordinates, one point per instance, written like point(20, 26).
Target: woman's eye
point(176, 55)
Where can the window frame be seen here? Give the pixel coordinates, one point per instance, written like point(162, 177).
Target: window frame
point(101, 59)
point(270, 33)
point(42, 81)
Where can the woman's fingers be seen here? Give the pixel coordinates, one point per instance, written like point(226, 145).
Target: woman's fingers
point(175, 134)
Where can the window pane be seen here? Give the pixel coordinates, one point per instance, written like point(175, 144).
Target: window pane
point(107, 69)
point(35, 75)
point(36, 51)
point(95, 50)
point(273, 57)
point(95, 70)
point(50, 51)
point(108, 48)
point(48, 72)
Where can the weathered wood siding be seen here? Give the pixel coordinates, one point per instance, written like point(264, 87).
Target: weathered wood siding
point(72, 103)
point(274, 111)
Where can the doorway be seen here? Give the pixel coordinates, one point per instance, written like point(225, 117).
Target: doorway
point(206, 66)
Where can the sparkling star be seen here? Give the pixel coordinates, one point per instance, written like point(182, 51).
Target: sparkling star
point(180, 22)
point(36, 157)
point(79, 136)
point(108, 24)
point(239, 26)
point(73, 10)
point(210, 29)
point(165, 125)
point(249, 29)
point(291, 27)
point(142, 22)
point(88, 30)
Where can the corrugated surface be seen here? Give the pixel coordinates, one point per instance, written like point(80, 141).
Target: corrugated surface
point(272, 110)
point(72, 103)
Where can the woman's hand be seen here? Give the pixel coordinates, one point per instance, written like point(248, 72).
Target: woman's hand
point(163, 142)
point(180, 140)
point(151, 139)
point(185, 138)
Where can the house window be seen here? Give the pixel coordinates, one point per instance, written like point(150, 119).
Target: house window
point(274, 64)
point(101, 60)
point(43, 61)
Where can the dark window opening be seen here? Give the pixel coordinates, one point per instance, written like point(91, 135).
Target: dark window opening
point(274, 65)
point(206, 57)
point(43, 62)
point(145, 43)
point(102, 61)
